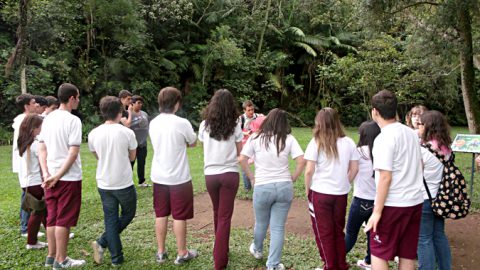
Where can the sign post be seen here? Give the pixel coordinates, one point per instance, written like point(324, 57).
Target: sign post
point(467, 143)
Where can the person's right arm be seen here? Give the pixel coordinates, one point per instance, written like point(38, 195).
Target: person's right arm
point(382, 192)
point(309, 170)
point(42, 158)
point(299, 166)
point(72, 156)
point(246, 168)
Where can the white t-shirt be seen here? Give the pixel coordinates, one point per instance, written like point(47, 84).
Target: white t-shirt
point(16, 129)
point(432, 171)
point(331, 176)
point(219, 156)
point(31, 176)
point(270, 167)
point(60, 130)
point(364, 183)
point(396, 149)
point(170, 136)
point(112, 143)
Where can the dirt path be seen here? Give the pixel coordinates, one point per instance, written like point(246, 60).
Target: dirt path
point(464, 235)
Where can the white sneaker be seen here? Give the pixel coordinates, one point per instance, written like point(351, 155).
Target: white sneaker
point(38, 245)
point(98, 252)
point(68, 263)
point(362, 264)
point(279, 266)
point(40, 234)
point(144, 185)
point(318, 268)
point(257, 254)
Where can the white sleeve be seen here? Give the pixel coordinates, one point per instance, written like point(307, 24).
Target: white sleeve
point(91, 137)
point(201, 130)
point(132, 141)
point(383, 154)
point(295, 150)
point(75, 135)
point(353, 150)
point(248, 149)
point(238, 133)
point(311, 153)
point(190, 136)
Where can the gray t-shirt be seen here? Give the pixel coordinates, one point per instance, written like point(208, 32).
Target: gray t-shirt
point(139, 126)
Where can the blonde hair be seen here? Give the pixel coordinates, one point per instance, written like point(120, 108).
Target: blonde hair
point(326, 132)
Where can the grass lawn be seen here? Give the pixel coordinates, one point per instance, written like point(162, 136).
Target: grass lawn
point(139, 238)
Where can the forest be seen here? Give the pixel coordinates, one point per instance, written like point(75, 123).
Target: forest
point(299, 55)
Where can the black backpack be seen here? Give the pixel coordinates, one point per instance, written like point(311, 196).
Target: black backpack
point(452, 200)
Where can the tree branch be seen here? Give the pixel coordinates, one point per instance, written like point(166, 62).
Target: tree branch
point(414, 5)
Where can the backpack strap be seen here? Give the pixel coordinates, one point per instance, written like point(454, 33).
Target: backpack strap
point(242, 120)
point(440, 157)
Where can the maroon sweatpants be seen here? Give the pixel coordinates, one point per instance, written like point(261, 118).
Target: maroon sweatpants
point(328, 221)
point(222, 189)
point(35, 219)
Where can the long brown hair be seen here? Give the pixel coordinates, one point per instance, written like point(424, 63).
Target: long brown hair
point(221, 115)
point(436, 128)
point(326, 132)
point(274, 125)
point(25, 135)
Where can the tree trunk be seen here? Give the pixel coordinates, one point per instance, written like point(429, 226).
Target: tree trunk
point(260, 43)
point(470, 99)
point(23, 80)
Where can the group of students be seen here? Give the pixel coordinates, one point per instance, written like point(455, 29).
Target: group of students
point(386, 167)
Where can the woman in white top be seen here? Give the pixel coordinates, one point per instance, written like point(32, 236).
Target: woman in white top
point(271, 145)
point(433, 246)
point(30, 176)
point(332, 163)
point(221, 135)
point(364, 190)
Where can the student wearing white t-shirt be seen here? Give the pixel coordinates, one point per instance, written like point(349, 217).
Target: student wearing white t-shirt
point(395, 221)
point(26, 103)
point(114, 146)
point(433, 246)
point(332, 163)
point(29, 174)
point(364, 190)
point(60, 141)
point(272, 145)
point(172, 183)
point(221, 136)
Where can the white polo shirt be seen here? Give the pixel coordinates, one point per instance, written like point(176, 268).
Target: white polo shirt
point(331, 175)
point(112, 143)
point(170, 136)
point(364, 183)
point(219, 156)
point(60, 130)
point(29, 169)
point(16, 129)
point(396, 149)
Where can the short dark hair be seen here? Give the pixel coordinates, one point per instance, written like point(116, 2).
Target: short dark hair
point(51, 100)
point(385, 102)
point(22, 100)
point(65, 91)
point(247, 103)
point(124, 93)
point(168, 98)
point(137, 98)
point(110, 107)
point(41, 101)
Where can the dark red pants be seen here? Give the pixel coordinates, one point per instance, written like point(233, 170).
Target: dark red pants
point(328, 221)
point(35, 218)
point(222, 189)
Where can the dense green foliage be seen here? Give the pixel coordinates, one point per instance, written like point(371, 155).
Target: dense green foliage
point(299, 55)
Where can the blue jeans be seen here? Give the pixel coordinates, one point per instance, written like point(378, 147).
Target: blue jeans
point(24, 216)
point(246, 182)
point(114, 224)
point(360, 211)
point(271, 203)
point(433, 247)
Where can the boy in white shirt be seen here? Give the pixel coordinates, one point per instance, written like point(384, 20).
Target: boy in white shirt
point(60, 141)
point(172, 188)
point(114, 146)
point(395, 220)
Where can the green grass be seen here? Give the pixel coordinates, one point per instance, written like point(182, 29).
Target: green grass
point(139, 238)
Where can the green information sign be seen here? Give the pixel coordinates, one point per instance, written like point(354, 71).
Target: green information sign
point(468, 143)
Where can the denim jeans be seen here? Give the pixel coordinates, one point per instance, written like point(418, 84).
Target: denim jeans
point(114, 224)
point(246, 182)
point(24, 216)
point(433, 247)
point(360, 211)
point(271, 203)
point(141, 158)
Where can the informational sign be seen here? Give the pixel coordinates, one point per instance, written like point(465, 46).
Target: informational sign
point(468, 143)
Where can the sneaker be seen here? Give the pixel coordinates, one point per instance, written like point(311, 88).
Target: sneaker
point(71, 235)
point(49, 261)
point(279, 266)
point(68, 263)
point(161, 257)
point(97, 252)
point(38, 245)
point(39, 234)
point(144, 185)
point(362, 264)
point(191, 253)
point(396, 259)
point(257, 254)
point(318, 268)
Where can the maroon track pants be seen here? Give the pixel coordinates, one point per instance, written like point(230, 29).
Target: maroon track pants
point(35, 219)
point(222, 189)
